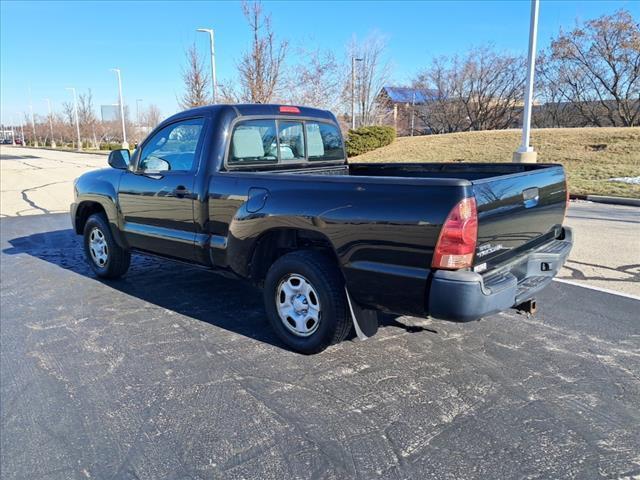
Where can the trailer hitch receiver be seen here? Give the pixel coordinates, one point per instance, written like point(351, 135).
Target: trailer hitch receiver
point(529, 307)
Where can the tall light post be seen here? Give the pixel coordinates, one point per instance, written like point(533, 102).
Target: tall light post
point(525, 153)
point(53, 142)
point(75, 112)
point(33, 123)
point(13, 134)
point(125, 145)
point(353, 91)
point(214, 83)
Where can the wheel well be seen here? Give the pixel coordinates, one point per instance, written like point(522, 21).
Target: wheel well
point(276, 243)
point(84, 211)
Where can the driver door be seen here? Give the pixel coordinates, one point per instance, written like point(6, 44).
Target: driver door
point(156, 196)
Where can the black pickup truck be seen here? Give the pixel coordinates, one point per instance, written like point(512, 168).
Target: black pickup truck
point(265, 192)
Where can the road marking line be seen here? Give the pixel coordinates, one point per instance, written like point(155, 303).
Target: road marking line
point(599, 289)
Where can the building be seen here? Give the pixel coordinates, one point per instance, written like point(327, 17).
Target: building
point(398, 105)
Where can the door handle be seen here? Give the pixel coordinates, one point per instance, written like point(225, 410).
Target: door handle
point(180, 191)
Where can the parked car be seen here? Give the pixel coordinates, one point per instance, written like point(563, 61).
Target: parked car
point(265, 192)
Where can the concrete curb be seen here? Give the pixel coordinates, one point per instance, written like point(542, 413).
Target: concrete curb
point(634, 202)
point(86, 152)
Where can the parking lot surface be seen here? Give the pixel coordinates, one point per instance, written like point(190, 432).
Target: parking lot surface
point(173, 372)
point(34, 181)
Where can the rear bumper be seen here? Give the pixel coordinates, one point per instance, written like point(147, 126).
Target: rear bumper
point(462, 296)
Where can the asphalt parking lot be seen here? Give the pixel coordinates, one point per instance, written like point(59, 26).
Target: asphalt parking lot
point(173, 372)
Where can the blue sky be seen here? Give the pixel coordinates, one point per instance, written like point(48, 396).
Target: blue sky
point(47, 46)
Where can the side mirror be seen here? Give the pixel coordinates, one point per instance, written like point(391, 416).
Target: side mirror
point(120, 159)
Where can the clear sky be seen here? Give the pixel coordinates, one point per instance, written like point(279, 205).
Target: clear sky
point(47, 46)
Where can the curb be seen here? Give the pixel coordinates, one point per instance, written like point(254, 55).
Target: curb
point(633, 202)
point(86, 152)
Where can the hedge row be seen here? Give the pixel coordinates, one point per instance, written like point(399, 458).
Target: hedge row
point(365, 139)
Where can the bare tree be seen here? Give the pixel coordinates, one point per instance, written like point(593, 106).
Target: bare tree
point(196, 81)
point(554, 110)
point(491, 89)
point(372, 72)
point(151, 116)
point(599, 65)
point(480, 91)
point(316, 81)
point(87, 117)
point(443, 112)
point(261, 68)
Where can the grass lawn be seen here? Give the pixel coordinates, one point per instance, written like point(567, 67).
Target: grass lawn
point(591, 156)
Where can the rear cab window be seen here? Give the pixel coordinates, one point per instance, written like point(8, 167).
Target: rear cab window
point(283, 141)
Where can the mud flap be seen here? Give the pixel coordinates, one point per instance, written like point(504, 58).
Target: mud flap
point(365, 321)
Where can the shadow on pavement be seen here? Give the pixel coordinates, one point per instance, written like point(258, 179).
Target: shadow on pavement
point(229, 303)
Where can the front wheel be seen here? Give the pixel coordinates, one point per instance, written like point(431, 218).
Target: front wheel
point(106, 258)
point(305, 301)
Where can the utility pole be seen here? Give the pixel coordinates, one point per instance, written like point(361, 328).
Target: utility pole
point(525, 153)
point(53, 142)
point(353, 91)
point(75, 110)
point(125, 145)
point(13, 134)
point(214, 83)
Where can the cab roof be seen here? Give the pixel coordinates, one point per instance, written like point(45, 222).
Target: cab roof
point(250, 109)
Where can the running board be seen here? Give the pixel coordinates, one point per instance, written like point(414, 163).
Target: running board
point(365, 321)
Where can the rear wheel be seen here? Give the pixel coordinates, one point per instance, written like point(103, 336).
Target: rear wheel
point(305, 301)
point(106, 258)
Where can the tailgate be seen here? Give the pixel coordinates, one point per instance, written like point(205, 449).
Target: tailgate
point(517, 212)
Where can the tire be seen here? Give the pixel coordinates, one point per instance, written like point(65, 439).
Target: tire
point(311, 280)
point(113, 261)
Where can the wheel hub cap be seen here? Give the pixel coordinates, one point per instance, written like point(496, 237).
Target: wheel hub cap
point(298, 305)
point(98, 247)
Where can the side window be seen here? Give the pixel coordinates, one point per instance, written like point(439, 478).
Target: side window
point(324, 142)
point(173, 148)
point(254, 142)
point(291, 138)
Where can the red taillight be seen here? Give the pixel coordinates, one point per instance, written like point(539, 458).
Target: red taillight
point(288, 109)
point(457, 241)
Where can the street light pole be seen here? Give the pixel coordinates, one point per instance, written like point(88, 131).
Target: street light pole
point(353, 91)
point(53, 142)
point(75, 111)
point(525, 153)
point(13, 134)
point(214, 83)
point(33, 125)
point(125, 145)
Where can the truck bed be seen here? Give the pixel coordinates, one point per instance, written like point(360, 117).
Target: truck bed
point(508, 222)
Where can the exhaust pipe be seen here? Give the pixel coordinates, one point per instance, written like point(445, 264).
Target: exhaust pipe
point(529, 307)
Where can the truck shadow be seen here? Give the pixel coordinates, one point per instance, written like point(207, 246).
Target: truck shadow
point(232, 304)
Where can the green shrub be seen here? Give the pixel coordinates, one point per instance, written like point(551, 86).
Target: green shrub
point(110, 146)
point(365, 139)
